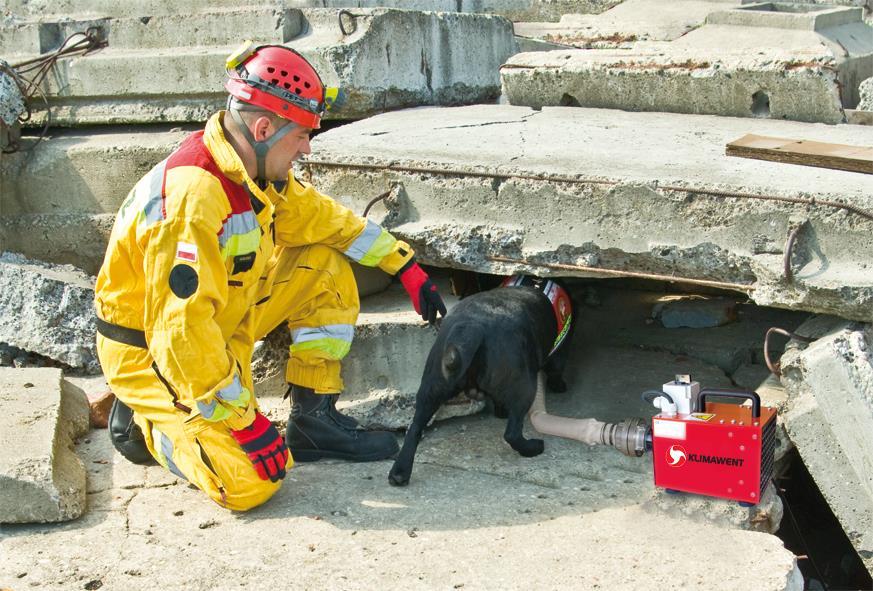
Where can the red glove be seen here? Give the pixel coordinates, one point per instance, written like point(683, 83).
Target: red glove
point(264, 447)
point(423, 293)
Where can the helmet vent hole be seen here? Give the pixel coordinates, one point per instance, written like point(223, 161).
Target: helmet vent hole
point(296, 78)
point(271, 69)
point(307, 84)
point(297, 90)
point(284, 73)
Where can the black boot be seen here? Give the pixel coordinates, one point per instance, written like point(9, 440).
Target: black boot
point(316, 429)
point(126, 435)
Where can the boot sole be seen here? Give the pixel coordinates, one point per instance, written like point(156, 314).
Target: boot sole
point(312, 455)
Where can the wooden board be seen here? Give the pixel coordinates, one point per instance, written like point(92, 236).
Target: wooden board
point(807, 153)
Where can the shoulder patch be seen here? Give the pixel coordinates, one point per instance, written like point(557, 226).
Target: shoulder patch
point(183, 281)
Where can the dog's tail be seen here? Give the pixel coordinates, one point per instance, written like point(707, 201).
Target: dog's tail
point(463, 344)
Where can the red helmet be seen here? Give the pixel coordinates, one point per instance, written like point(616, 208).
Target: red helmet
point(278, 79)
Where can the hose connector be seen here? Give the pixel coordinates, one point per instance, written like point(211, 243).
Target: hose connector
point(628, 436)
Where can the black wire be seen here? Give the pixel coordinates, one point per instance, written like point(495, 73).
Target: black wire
point(654, 394)
point(32, 85)
point(794, 524)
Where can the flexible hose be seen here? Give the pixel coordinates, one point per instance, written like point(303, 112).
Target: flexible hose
point(590, 431)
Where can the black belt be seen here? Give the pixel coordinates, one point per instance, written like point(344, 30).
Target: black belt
point(136, 338)
point(122, 334)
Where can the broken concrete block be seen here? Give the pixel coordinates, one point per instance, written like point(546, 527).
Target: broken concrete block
point(93, 173)
point(627, 22)
point(533, 10)
point(695, 312)
point(865, 91)
point(58, 238)
point(383, 59)
point(667, 203)
point(830, 419)
point(41, 478)
point(382, 371)
point(48, 309)
point(764, 60)
point(765, 516)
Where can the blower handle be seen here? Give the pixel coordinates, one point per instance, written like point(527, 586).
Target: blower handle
point(721, 393)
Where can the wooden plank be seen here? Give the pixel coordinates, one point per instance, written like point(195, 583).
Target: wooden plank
point(803, 152)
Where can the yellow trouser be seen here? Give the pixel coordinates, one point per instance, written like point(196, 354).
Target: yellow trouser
point(313, 290)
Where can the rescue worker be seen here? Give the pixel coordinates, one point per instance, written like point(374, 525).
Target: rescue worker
point(214, 248)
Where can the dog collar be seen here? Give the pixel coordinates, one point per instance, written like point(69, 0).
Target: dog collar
point(559, 298)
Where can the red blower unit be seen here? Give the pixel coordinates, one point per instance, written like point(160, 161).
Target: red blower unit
point(720, 449)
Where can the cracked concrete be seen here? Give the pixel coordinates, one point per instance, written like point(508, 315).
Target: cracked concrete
point(41, 478)
point(383, 59)
point(780, 61)
point(830, 418)
point(49, 310)
point(578, 516)
point(672, 204)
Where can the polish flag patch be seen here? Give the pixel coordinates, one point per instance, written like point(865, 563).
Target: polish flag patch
point(186, 252)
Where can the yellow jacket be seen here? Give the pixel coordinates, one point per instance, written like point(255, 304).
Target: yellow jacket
point(188, 247)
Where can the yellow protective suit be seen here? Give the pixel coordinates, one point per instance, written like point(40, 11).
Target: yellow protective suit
point(204, 263)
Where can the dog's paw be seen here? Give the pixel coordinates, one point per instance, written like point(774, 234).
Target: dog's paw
point(532, 447)
point(398, 476)
point(556, 384)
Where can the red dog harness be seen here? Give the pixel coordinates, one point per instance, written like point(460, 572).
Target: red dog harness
point(557, 295)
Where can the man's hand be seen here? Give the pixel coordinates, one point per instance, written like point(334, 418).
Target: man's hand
point(423, 293)
point(264, 447)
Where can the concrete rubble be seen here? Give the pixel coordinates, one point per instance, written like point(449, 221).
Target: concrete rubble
point(540, 10)
point(41, 478)
point(516, 10)
point(673, 206)
point(830, 418)
point(577, 516)
point(768, 60)
point(48, 309)
point(65, 192)
point(383, 59)
point(564, 191)
point(866, 93)
point(624, 24)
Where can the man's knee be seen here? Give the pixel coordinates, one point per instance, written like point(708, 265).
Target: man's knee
point(247, 495)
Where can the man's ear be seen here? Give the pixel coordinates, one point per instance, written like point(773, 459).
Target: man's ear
point(261, 127)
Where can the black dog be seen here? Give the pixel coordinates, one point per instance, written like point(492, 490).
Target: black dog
point(495, 342)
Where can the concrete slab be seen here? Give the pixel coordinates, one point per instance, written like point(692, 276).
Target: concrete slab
point(625, 23)
point(538, 10)
point(82, 172)
point(383, 59)
point(48, 309)
point(746, 61)
point(516, 10)
point(830, 418)
point(58, 238)
point(41, 478)
point(622, 191)
point(573, 516)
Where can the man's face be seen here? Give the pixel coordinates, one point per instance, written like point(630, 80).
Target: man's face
point(289, 148)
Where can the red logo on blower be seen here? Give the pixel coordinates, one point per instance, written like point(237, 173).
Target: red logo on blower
point(676, 456)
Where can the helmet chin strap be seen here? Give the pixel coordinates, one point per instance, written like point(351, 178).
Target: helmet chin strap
point(261, 148)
